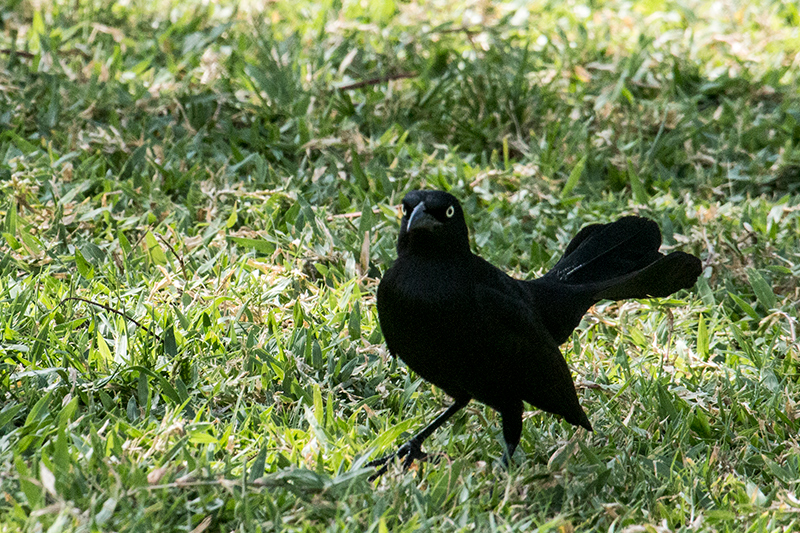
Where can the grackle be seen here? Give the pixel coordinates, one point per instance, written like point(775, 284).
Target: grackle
point(473, 331)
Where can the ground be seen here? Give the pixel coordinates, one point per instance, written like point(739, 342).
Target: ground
point(198, 200)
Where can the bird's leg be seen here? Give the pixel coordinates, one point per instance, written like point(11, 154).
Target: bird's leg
point(413, 448)
point(512, 431)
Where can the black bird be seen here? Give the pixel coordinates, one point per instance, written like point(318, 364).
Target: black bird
point(473, 331)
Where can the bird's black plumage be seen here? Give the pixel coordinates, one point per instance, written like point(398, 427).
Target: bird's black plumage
point(470, 329)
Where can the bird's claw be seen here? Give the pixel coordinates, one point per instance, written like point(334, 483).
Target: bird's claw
point(408, 452)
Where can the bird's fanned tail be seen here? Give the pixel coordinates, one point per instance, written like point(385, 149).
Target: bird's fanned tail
point(610, 261)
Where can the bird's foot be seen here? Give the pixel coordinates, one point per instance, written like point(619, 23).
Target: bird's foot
point(506, 461)
point(408, 452)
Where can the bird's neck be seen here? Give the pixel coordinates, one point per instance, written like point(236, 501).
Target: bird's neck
point(439, 249)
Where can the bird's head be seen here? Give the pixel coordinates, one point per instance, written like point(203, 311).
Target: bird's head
point(432, 222)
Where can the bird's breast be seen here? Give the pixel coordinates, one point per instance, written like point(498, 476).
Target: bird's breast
point(427, 287)
point(426, 312)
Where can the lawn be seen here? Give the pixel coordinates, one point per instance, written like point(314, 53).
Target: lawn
point(198, 199)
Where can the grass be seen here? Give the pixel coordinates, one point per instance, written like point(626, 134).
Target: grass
point(198, 200)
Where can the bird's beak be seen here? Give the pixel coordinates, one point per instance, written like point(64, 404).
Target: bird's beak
point(420, 219)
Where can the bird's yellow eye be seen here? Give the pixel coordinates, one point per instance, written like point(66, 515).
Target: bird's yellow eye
point(403, 209)
point(450, 211)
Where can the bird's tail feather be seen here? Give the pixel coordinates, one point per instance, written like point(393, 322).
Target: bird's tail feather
point(621, 260)
point(601, 252)
point(659, 279)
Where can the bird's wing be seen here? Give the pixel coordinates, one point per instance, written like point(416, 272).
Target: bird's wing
point(517, 356)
